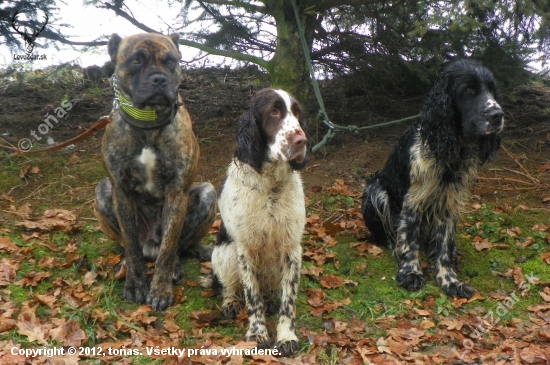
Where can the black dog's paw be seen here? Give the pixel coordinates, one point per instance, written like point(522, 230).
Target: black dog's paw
point(410, 281)
point(160, 297)
point(288, 348)
point(460, 290)
point(231, 309)
point(136, 290)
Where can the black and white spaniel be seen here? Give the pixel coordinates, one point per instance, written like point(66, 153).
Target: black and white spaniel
point(262, 206)
point(414, 202)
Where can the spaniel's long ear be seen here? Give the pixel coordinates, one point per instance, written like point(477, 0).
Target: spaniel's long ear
point(439, 121)
point(298, 166)
point(488, 147)
point(250, 143)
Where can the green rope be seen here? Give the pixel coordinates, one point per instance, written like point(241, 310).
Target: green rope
point(333, 128)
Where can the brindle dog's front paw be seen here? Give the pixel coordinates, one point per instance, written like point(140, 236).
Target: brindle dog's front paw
point(458, 289)
point(288, 348)
point(136, 289)
point(410, 280)
point(160, 296)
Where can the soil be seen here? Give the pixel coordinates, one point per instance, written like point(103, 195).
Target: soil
point(216, 98)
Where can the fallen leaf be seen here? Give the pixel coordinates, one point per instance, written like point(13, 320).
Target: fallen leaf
point(329, 307)
point(29, 326)
point(316, 297)
point(7, 245)
point(313, 271)
point(8, 270)
point(481, 243)
point(33, 278)
point(47, 300)
point(539, 227)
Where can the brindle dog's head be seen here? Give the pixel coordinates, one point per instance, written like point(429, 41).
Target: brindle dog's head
point(147, 68)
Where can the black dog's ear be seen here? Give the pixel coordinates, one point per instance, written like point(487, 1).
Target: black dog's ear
point(438, 120)
point(298, 166)
point(488, 147)
point(112, 47)
point(250, 144)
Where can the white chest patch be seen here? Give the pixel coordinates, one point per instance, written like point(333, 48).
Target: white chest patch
point(148, 159)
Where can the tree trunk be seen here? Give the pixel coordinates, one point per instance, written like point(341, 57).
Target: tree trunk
point(287, 69)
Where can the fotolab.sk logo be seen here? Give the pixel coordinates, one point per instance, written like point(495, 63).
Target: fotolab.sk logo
point(29, 35)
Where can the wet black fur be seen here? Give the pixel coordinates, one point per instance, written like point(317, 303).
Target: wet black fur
point(458, 131)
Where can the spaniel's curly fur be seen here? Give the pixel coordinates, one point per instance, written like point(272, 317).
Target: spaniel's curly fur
point(258, 254)
point(414, 202)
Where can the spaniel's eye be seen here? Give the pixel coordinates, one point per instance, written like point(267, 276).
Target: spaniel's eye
point(274, 112)
point(470, 91)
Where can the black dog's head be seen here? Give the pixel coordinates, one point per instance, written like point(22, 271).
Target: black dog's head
point(273, 128)
point(147, 68)
point(462, 110)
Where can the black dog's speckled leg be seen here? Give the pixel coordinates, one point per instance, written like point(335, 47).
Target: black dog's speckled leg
point(444, 251)
point(407, 250)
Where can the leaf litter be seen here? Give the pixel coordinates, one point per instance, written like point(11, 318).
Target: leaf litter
point(422, 334)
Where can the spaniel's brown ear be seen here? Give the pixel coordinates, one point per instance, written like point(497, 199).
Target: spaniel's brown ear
point(250, 144)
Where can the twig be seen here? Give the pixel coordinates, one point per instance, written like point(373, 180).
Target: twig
point(535, 181)
point(505, 179)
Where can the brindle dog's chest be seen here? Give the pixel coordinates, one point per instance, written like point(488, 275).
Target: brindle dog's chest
point(148, 173)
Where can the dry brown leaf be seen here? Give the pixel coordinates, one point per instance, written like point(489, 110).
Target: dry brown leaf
point(53, 219)
point(89, 278)
point(452, 324)
point(7, 245)
point(334, 282)
point(426, 324)
point(47, 300)
point(7, 324)
point(329, 307)
point(539, 227)
point(33, 279)
point(8, 270)
point(316, 297)
point(29, 326)
point(545, 294)
point(313, 271)
point(545, 257)
point(513, 232)
point(481, 243)
point(23, 211)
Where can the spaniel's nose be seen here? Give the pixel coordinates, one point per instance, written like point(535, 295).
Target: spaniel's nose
point(299, 139)
point(495, 117)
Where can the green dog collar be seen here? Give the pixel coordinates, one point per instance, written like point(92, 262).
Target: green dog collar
point(144, 119)
point(137, 114)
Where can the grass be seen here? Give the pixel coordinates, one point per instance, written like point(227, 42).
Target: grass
point(65, 182)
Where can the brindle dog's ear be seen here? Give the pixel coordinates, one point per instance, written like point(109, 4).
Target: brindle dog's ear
point(175, 38)
point(112, 47)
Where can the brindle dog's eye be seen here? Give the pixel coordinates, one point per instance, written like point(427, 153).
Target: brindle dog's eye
point(169, 61)
point(136, 61)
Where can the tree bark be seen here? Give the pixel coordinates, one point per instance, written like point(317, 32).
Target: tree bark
point(287, 69)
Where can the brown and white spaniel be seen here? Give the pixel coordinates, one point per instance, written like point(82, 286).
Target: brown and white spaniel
point(258, 254)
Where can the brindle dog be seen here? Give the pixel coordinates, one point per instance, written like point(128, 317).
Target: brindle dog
point(151, 157)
